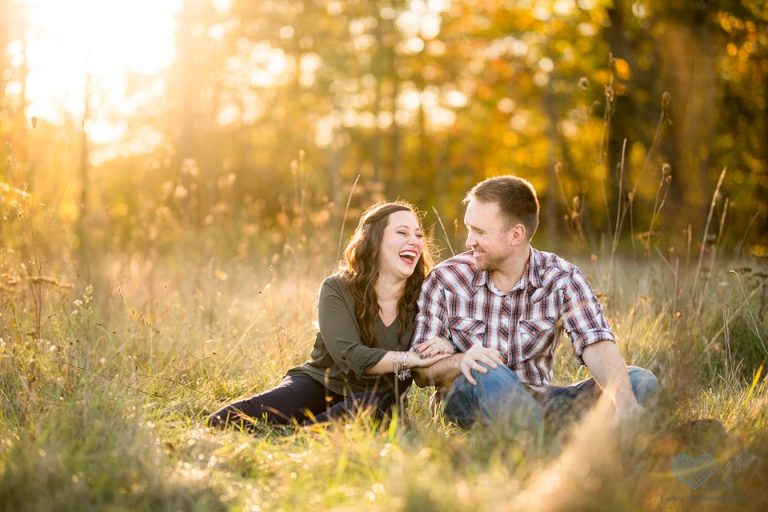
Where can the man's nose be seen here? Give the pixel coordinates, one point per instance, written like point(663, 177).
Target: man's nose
point(471, 242)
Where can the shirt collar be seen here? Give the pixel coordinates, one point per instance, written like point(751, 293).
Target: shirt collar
point(480, 279)
point(534, 263)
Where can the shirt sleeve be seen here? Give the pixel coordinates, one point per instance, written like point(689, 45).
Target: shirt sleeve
point(432, 315)
point(582, 315)
point(340, 333)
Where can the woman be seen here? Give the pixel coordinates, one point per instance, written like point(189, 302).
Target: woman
point(366, 313)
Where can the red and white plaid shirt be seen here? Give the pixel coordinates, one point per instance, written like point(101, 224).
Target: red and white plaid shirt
point(460, 304)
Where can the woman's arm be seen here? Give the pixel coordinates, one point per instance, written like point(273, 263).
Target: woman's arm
point(338, 328)
point(397, 361)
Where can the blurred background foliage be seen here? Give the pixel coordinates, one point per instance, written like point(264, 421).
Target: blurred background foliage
point(622, 113)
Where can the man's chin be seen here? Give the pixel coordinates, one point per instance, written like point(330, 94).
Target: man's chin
point(478, 264)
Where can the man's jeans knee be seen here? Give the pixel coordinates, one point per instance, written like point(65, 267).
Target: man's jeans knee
point(645, 385)
point(566, 403)
point(498, 396)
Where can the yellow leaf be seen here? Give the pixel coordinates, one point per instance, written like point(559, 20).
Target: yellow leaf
point(621, 67)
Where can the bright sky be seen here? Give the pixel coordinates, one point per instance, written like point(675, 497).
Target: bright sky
point(109, 39)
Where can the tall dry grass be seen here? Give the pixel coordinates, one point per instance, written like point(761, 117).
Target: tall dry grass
point(106, 376)
point(103, 408)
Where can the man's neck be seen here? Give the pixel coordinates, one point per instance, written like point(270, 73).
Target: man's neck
point(507, 275)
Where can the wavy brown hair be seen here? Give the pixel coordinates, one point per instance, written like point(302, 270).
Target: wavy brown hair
point(360, 268)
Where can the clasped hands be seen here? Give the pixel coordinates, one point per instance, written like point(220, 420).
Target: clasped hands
point(470, 360)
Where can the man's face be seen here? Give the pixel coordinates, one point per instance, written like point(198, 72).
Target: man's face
point(488, 235)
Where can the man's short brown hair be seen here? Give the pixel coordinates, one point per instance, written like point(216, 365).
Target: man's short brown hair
point(515, 196)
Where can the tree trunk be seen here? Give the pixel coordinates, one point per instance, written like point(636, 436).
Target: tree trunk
point(82, 228)
point(688, 65)
point(550, 207)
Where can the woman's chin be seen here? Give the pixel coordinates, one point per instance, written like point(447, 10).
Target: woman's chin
point(401, 272)
point(406, 272)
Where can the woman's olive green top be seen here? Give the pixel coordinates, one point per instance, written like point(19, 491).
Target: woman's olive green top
point(339, 358)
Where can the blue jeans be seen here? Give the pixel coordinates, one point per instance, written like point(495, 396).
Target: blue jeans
point(500, 396)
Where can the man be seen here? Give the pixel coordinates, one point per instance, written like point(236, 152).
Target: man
point(502, 305)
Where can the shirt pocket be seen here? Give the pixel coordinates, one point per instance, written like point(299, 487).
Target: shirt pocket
point(466, 332)
point(535, 335)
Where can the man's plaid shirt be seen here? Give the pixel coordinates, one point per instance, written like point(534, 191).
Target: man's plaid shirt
point(462, 305)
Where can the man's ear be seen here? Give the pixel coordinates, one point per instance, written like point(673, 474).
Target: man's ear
point(518, 234)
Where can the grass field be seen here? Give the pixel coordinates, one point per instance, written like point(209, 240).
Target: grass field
point(103, 409)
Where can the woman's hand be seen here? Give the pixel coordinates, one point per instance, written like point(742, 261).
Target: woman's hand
point(435, 346)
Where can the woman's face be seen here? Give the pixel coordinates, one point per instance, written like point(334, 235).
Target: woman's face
point(401, 245)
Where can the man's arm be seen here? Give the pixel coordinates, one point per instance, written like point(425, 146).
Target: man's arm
point(594, 344)
point(431, 318)
point(610, 372)
point(440, 374)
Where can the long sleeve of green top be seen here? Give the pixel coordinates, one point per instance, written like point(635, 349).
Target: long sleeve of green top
point(339, 357)
point(338, 328)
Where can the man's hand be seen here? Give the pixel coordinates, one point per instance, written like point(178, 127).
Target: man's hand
point(627, 407)
point(440, 374)
point(628, 412)
point(435, 346)
point(423, 361)
point(476, 355)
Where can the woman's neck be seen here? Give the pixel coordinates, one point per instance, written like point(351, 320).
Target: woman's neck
point(389, 289)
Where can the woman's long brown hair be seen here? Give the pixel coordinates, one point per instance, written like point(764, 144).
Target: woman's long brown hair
point(360, 268)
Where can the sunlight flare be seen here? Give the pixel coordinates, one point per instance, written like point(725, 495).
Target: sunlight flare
point(110, 40)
